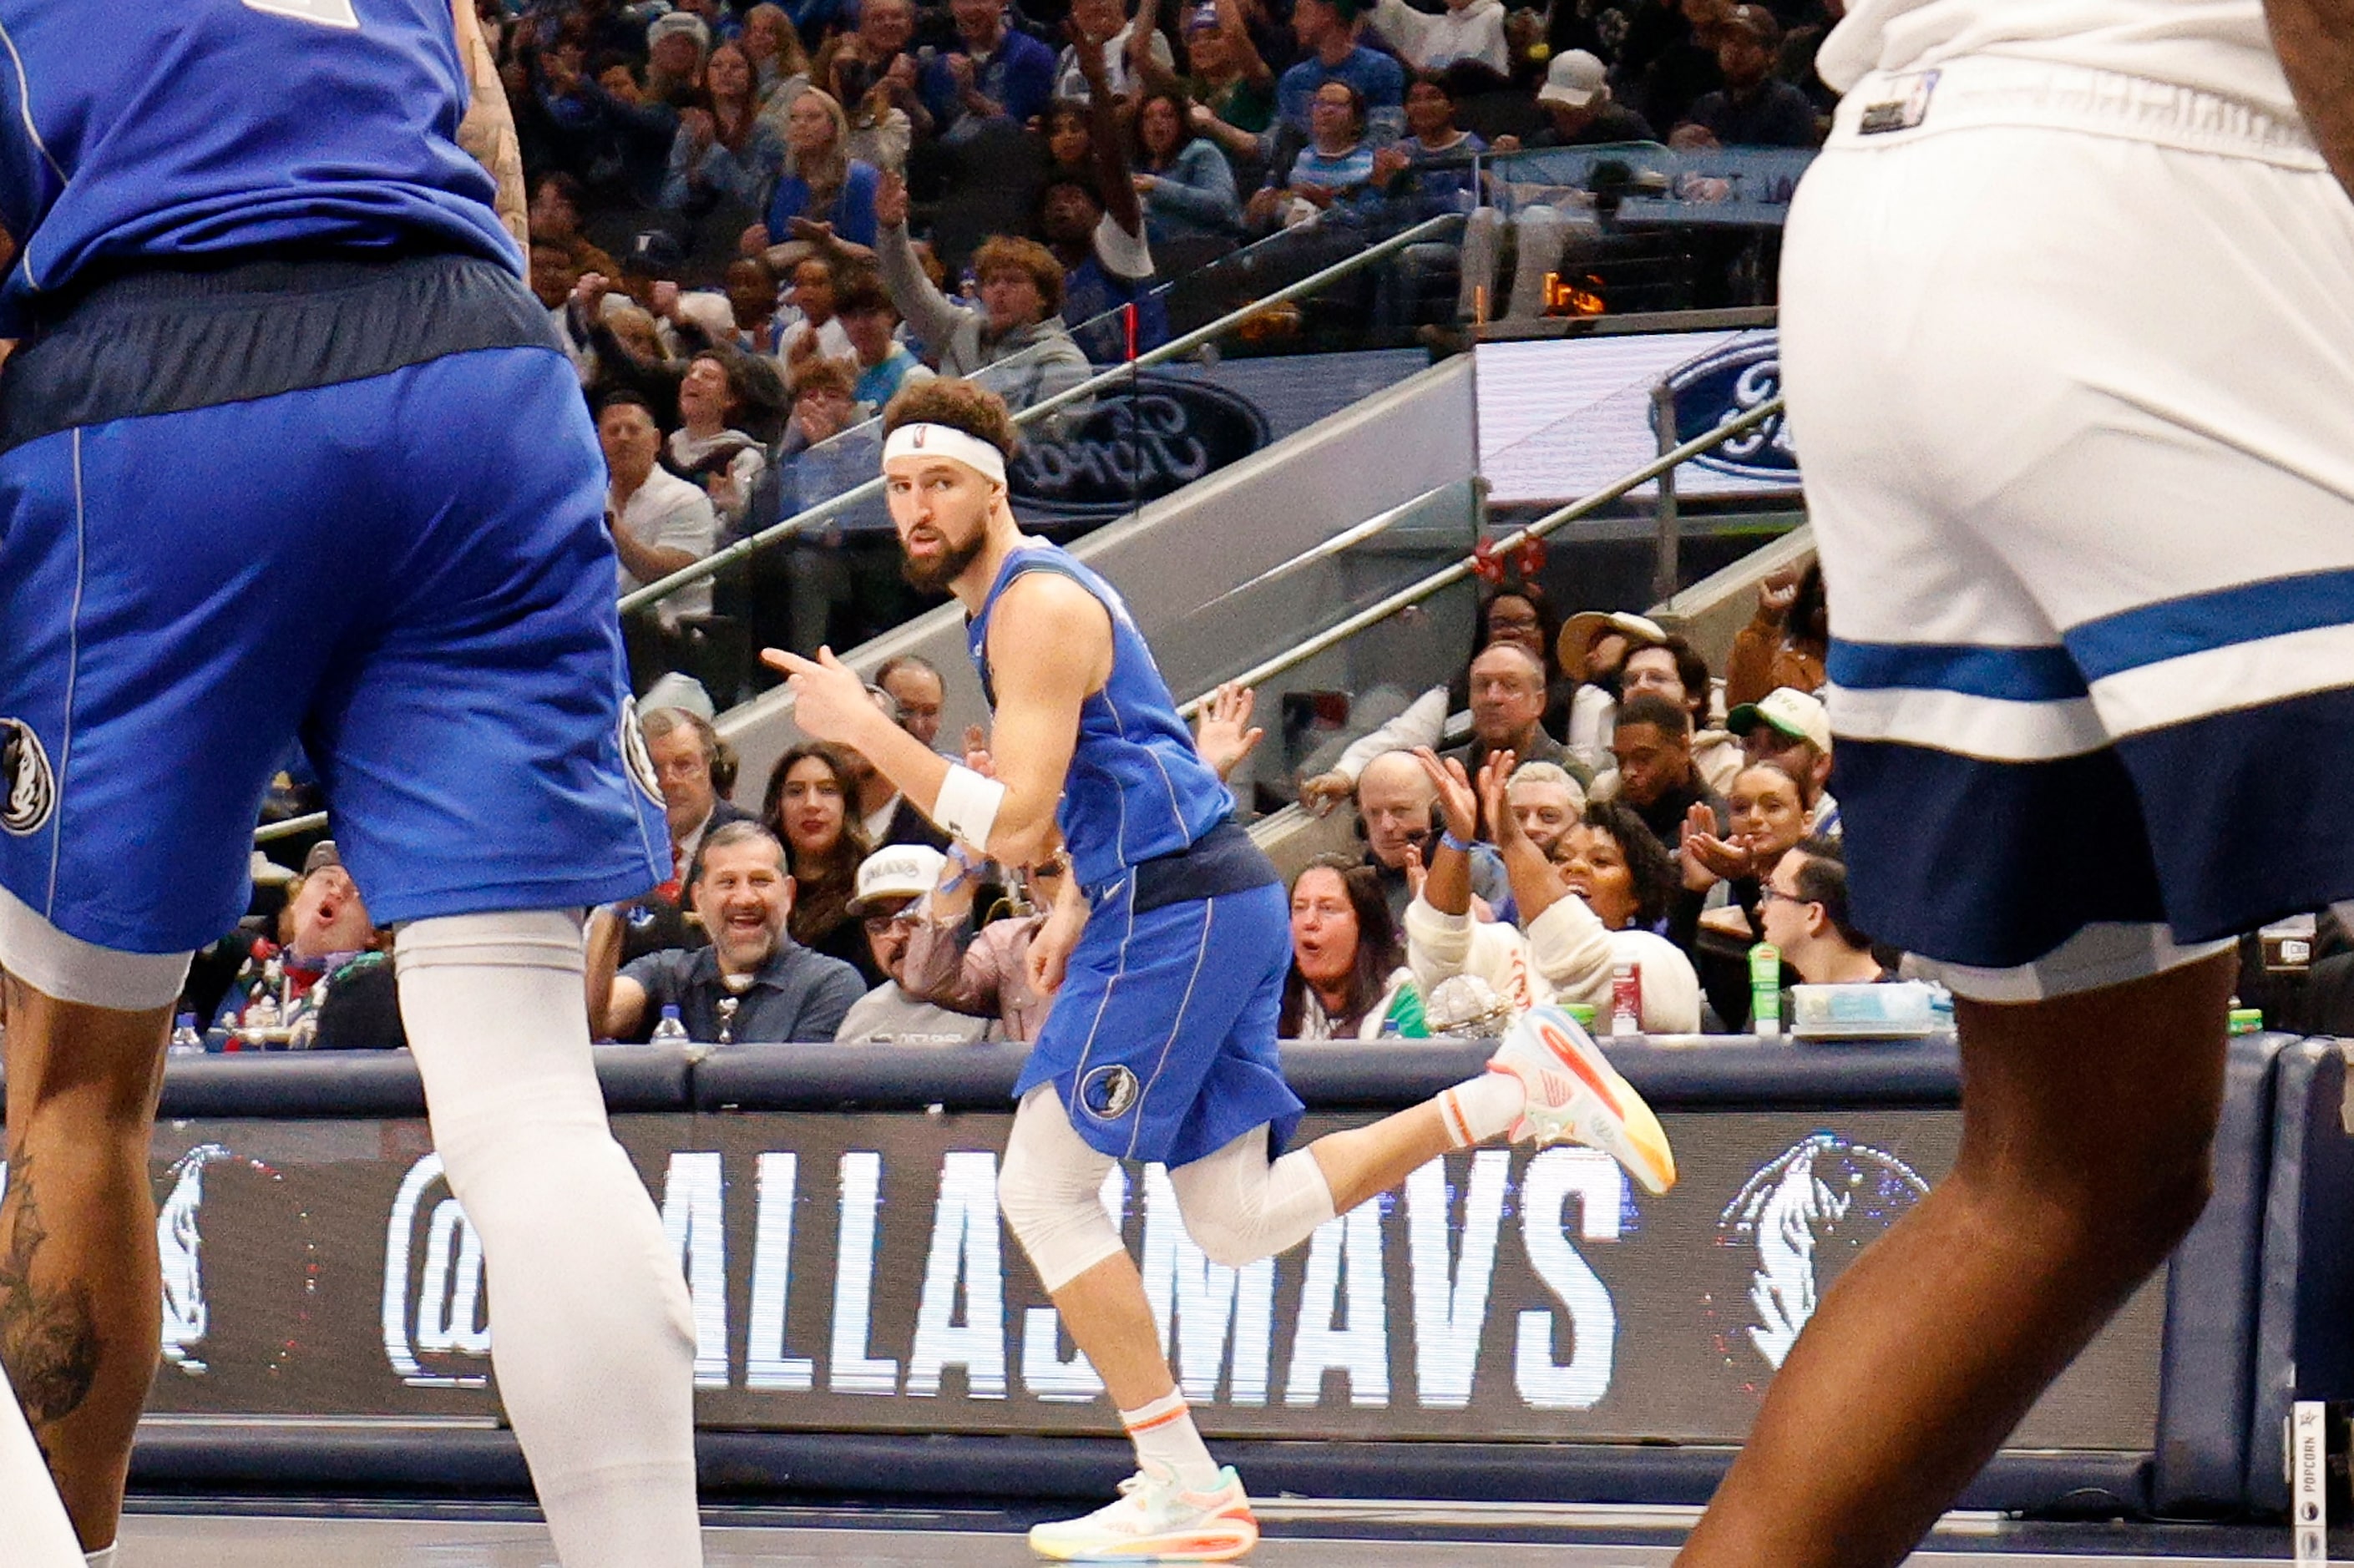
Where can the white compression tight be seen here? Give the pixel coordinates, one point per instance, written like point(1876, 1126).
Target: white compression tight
point(592, 1334)
point(1238, 1205)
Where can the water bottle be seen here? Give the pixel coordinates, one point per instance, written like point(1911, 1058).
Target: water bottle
point(185, 1039)
point(1626, 998)
point(670, 1030)
point(1766, 990)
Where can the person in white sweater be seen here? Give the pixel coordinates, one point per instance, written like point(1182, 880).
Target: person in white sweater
point(1583, 915)
point(1466, 30)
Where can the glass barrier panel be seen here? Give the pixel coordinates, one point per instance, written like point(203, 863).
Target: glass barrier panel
point(1630, 228)
point(1276, 611)
point(1313, 711)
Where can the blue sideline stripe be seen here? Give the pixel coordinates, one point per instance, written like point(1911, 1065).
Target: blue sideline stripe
point(2010, 674)
point(2196, 622)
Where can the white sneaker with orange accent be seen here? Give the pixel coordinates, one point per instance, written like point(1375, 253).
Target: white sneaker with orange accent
point(1156, 1520)
point(1574, 1092)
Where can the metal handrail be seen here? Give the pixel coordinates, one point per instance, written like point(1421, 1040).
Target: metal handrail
point(1447, 576)
point(719, 560)
point(1413, 593)
point(290, 828)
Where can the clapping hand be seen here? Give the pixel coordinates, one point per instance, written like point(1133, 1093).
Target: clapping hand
point(891, 198)
point(1495, 777)
point(1708, 859)
point(1459, 802)
point(1222, 731)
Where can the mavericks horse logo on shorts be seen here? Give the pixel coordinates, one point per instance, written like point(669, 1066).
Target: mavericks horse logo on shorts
point(634, 755)
point(32, 787)
point(1108, 1092)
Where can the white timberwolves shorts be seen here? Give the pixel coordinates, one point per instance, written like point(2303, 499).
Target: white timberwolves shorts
point(2069, 360)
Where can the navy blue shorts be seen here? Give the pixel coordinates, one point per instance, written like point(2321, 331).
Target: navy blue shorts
point(2091, 581)
point(1162, 1041)
point(357, 503)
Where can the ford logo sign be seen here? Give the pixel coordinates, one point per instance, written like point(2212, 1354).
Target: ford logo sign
point(1718, 389)
point(1136, 445)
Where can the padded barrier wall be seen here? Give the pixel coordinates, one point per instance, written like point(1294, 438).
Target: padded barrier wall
point(2217, 1331)
point(2304, 1317)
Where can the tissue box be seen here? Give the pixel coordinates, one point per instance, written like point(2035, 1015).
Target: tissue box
point(1897, 1011)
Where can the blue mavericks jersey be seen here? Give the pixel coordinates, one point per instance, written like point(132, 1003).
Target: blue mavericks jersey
point(163, 130)
point(1137, 788)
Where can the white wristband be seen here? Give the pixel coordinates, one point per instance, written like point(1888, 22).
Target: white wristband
point(967, 805)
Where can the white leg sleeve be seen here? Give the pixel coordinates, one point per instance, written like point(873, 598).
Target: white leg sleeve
point(592, 1335)
point(39, 1535)
point(1050, 1192)
point(1238, 1208)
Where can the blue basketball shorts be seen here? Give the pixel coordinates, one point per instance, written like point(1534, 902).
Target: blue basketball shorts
point(1162, 1041)
point(2070, 361)
point(359, 504)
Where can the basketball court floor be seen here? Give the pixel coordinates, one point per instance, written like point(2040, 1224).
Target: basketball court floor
point(259, 1534)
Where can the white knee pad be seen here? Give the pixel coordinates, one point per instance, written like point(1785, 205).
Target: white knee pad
point(70, 970)
point(1240, 1208)
point(1050, 1192)
point(593, 1335)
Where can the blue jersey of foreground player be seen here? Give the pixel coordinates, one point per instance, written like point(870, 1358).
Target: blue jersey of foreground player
point(287, 448)
point(133, 132)
point(1162, 1041)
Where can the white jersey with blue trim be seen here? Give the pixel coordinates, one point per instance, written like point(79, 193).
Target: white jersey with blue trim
point(138, 133)
point(2218, 47)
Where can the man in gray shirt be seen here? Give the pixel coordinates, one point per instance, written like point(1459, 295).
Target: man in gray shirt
point(753, 983)
point(890, 882)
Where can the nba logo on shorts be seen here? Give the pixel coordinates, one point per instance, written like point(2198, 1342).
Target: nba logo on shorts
point(1108, 1092)
point(31, 789)
point(1903, 113)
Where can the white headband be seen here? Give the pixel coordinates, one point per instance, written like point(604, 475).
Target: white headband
point(947, 441)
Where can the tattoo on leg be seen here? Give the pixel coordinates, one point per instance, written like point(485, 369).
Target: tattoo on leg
point(48, 1337)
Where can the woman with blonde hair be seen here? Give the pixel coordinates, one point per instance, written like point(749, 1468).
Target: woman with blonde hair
point(780, 66)
point(820, 182)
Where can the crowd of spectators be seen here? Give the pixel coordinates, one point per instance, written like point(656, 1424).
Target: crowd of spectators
point(1606, 813)
point(1651, 842)
point(753, 224)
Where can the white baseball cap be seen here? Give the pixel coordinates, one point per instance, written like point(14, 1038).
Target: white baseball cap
point(896, 871)
point(1789, 711)
point(1574, 79)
